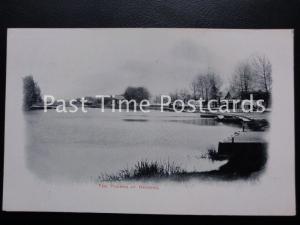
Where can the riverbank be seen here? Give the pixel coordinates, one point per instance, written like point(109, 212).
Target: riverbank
point(253, 121)
point(245, 150)
point(244, 153)
point(246, 163)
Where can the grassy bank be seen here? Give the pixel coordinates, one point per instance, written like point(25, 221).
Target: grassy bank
point(240, 165)
point(146, 169)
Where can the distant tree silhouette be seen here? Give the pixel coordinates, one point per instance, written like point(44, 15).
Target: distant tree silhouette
point(243, 79)
point(262, 68)
point(32, 93)
point(136, 93)
point(206, 85)
point(253, 74)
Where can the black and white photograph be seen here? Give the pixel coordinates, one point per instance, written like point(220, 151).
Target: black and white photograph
point(150, 120)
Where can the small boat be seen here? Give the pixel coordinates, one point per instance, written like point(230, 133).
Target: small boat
point(228, 119)
point(220, 117)
point(40, 107)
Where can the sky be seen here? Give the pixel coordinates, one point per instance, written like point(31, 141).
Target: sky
point(69, 63)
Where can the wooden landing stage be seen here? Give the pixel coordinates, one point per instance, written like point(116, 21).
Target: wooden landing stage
point(246, 137)
point(249, 142)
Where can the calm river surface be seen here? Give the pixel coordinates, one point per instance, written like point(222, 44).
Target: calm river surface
point(78, 147)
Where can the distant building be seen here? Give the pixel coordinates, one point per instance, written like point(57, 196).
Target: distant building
point(256, 95)
point(228, 95)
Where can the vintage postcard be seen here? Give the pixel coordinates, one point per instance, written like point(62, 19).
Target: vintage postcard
point(151, 121)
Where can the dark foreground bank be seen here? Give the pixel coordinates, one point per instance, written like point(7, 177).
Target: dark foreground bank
point(245, 163)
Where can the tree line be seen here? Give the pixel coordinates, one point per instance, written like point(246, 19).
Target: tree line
point(253, 74)
point(250, 75)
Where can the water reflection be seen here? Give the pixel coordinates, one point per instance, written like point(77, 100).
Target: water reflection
point(135, 120)
point(80, 146)
point(202, 122)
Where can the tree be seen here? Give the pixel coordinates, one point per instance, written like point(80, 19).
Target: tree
point(214, 83)
point(174, 95)
point(184, 95)
point(243, 78)
point(32, 93)
point(206, 86)
point(199, 86)
point(262, 68)
point(194, 88)
point(136, 93)
point(253, 75)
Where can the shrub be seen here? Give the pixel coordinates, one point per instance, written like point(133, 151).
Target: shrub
point(213, 155)
point(146, 169)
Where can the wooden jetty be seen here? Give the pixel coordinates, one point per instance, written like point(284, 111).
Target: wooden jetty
point(249, 141)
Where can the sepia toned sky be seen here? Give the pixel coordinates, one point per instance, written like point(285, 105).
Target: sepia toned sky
point(70, 63)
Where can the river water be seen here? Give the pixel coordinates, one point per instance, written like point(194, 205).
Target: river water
point(79, 147)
